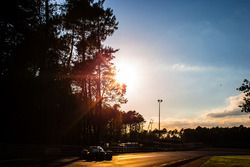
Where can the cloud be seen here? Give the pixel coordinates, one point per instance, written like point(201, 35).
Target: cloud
point(232, 108)
point(227, 116)
point(190, 68)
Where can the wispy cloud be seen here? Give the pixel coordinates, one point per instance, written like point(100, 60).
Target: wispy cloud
point(232, 108)
point(179, 67)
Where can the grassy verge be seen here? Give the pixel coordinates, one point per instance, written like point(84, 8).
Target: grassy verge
point(228, 161)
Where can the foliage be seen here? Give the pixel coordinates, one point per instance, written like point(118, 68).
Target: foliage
point(245, 88)
point(56, 75)
point(237, 137)
point(218, 136)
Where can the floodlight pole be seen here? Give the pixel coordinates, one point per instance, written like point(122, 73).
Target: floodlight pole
point(159, 101)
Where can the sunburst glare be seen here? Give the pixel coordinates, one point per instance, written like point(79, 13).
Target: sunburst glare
point(126, 74)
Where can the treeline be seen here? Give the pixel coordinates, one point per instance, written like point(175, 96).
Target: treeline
point(237, 137)
point(218, 136)
point(57, 76)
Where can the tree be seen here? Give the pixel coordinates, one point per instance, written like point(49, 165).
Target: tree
point(245, 89)
point(218, 136)
point(132, 124)
point(57, 76)
point(89, 64)
point(18, 68)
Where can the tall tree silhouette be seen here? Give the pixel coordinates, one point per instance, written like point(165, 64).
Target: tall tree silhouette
point(57, 76)
point(92, 70)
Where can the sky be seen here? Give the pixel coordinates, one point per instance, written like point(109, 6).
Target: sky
point(192, 54)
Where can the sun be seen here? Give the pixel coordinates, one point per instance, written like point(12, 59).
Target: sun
point(126, 74)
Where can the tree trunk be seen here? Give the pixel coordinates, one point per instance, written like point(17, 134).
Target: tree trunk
point(71, 47)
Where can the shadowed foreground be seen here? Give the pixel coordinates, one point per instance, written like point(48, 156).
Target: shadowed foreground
point(169, 159)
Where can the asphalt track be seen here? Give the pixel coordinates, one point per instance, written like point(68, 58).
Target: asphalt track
point(136, 159)
point(151, 159)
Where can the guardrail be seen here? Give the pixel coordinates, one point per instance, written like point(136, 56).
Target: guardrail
point(160, 147)
point(132, 149)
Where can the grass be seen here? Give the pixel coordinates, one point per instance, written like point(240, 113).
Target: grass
point(228, 161)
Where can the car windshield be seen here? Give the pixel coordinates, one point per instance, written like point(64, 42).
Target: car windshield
point(96, 149)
